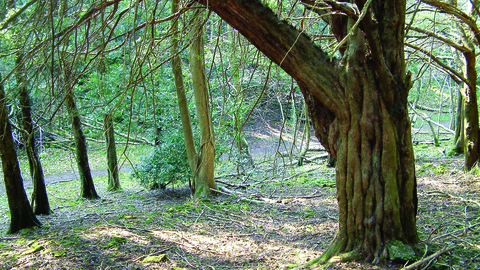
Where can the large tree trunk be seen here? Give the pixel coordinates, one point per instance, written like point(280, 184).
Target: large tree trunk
point(113, 178)
point(87, 190)
point(203, 182)
point(21, 213)
point(358, 106)
point(39, 195)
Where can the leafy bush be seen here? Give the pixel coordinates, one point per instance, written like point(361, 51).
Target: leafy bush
point(167, 164)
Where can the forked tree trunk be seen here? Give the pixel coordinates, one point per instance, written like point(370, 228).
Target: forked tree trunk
point(39, 196)
point(113, 178)
point(21, 213)
point(87, 190)
point(358, 106)
point(203, 182)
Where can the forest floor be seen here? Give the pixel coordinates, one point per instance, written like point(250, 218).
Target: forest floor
point(279, 217)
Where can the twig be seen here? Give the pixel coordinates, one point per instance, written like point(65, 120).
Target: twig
point(459, 230)
point(429, 258)
point(185, 259)
point(8, 238)
point(232, 185)
point(314, 195)
point(453, 197)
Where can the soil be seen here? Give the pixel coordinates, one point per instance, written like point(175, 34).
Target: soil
point(276, 217)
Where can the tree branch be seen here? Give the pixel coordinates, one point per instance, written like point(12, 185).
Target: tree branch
point(457, 77)
point(285, 46)
point(452, 10)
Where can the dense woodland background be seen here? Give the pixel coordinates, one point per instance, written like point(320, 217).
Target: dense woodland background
point(110, 65)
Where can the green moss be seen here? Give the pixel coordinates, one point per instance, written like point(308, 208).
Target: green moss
point(34, 247)
point(115, 241)
point(398, 251)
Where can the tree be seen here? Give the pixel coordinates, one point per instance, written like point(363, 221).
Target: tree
point(87, 186)
point(113, 178)
point(203, 182)
point(201, 162)
point(466, 32)
point(39, 195)
point(181, 96)
point(357, 102)
point(21, 214)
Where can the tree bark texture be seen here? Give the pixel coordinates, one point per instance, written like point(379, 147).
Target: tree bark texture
point(39, 196)
point(470, 125)
point(87, 187)
point(113, 178)
point(204, 181)
point(459, 138)
point(358, 107)
point(21, 213)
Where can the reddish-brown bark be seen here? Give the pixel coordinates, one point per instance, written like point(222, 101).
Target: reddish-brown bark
point(21, 214)
point(358, 106)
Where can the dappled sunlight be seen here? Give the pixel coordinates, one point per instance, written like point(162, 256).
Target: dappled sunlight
point(238, 247)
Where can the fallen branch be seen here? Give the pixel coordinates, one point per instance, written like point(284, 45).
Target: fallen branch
point(314, 195)
point(459, 230)
point(426, 118)
point(232, 185)
point(427, 259)
point(297, 174)
point(454, 197)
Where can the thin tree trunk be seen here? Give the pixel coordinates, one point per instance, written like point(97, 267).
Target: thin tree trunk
point(306, 136)
point(21, 213)
point(204, 181)
point(471, 142)
point(87, 187)
point(39, 195)
point(182, 98)
point(459, 138)
point(245, 158)
point(113, 178)
point(471, 129)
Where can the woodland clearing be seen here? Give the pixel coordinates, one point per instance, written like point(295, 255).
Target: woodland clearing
point(275, 219)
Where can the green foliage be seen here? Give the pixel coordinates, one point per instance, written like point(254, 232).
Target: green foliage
point(167, 164)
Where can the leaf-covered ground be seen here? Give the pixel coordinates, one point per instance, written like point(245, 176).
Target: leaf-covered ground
point(280, 216)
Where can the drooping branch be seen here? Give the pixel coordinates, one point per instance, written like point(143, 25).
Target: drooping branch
point(286, 46)
point(453, 10)
point(457, 77)
point(440, 37)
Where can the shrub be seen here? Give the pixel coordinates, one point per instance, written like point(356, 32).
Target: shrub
point(167, 164)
